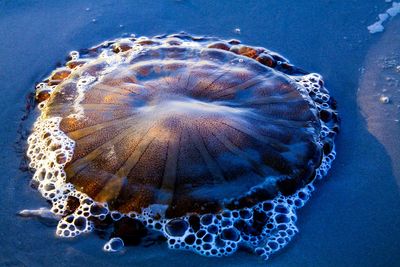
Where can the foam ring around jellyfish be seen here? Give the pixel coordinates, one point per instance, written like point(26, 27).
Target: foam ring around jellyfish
point(212, 143)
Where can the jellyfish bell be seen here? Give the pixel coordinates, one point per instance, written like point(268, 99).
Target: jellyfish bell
point(210, 142)
point(205, 124)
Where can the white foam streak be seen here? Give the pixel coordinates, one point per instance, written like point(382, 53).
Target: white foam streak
point(390, 12)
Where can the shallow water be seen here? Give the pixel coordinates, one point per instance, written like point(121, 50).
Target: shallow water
point(352, 219)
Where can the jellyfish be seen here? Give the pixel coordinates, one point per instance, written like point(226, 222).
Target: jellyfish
point(209, 142)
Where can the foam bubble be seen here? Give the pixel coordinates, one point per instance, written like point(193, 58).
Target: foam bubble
point(390, 12)
point(115, 244)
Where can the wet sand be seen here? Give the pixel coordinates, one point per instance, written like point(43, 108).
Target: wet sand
point(379, 92)
point(353, 217)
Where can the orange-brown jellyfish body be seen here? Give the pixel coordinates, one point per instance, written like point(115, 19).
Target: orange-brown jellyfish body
point(198, 126)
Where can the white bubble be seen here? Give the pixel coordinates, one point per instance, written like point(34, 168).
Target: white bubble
point(115, 244)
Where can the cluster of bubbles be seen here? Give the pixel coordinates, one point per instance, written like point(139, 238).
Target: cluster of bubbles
point(264, 228)
point(326, 107)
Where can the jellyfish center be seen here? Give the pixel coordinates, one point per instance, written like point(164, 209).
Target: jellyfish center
point(187, 109)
